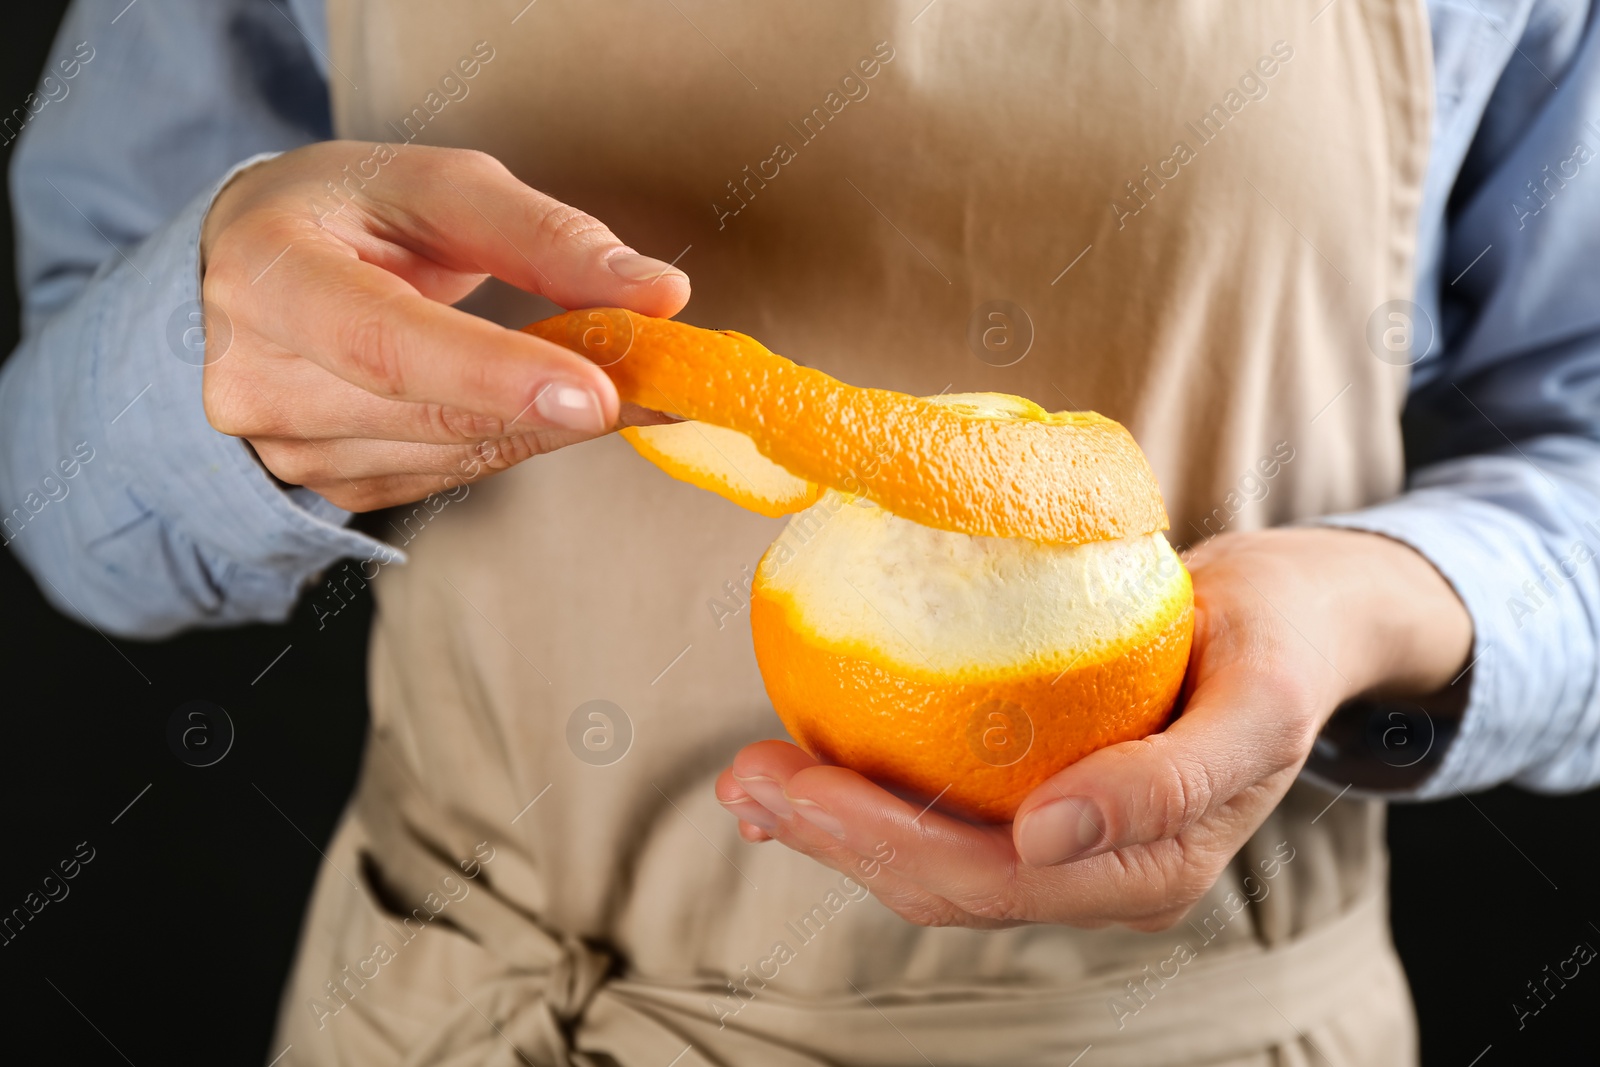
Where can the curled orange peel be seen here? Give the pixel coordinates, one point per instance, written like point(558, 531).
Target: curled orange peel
point(767, 433)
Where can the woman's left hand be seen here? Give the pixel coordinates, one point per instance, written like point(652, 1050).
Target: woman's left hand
point(1288, 624)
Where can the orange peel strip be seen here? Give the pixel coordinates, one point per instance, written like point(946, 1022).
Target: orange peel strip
point(724, 461)
point(1064, 477)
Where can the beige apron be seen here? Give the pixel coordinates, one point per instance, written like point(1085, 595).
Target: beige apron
point(1183, 216)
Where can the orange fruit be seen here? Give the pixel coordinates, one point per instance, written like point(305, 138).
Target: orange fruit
point(965, 668)
point(972, 593)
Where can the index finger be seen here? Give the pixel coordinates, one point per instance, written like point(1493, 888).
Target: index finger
point(972, 867)
point(466, 211)
point(871, 820)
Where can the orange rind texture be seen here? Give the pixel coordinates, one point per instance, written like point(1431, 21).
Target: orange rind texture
point(959, 669)
point(925, 737)
point(1057, 478)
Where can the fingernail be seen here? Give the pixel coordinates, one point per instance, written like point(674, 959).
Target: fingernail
point(818, 816)
point(572, 407)
point(1058, 831)
point(768, 793)
point(637, 268)
point(752, 813)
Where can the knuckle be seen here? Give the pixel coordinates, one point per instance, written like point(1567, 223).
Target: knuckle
point(228, 410)
point(1161, 886)
point(930, 912)
point(507, 452)
point(1192, 795)
point(479, 461)
point(224, 282)
point(1182, 787)
point(368, 340)
point(998, 907)
point(221, 270)
point(269, 229)
point(1295, 691)
point(1295, 741)
point(1297, 705)
point(996, 899)
point(1149, 875)
point(1192, 874)
point(459, 424)
point(243, 247)
point(292, 462)
point(557, 224)
point(491, 457)
point(477, 161)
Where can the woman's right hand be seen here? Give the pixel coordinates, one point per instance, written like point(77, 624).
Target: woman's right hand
point(342, 361)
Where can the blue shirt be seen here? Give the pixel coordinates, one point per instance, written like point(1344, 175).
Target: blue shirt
point(135, 515)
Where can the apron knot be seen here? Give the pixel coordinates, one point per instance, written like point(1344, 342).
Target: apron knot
point(532, 1017)
point(579, 972)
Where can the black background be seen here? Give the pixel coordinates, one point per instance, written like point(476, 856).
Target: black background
point(175, 939)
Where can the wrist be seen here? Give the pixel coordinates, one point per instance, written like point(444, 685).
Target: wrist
point(223, 206)
point(1411, 632)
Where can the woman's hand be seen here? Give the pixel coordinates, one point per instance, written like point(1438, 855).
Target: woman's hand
point(1288, 623)
point(331, 345)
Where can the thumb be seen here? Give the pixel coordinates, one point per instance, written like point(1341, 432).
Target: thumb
point(1237, 730)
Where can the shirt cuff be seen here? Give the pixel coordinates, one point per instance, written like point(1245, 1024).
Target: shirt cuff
point(1520, 709)
point(259, 543)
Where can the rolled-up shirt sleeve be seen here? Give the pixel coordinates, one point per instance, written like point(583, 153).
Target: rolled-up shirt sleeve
point(132, 513)
point(1503, 424)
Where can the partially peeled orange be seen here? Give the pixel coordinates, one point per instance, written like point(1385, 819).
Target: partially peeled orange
point(973, 592)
